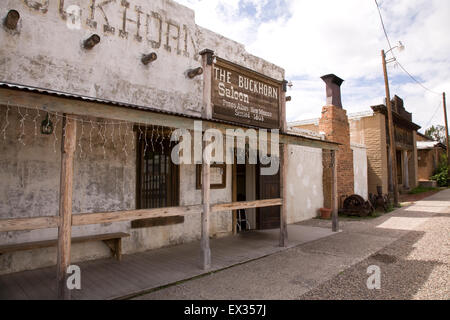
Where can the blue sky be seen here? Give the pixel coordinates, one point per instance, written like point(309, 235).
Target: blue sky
point(312, 38)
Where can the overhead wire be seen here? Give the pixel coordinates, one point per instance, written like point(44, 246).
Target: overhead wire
point(395, 58)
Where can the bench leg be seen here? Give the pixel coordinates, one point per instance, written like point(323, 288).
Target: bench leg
point(119, 249)
point(115, 245)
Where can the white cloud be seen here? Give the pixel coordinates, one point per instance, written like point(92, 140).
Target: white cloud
point(312, 38)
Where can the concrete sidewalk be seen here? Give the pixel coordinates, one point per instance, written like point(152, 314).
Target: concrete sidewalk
point(145, 271)
point(410, 245)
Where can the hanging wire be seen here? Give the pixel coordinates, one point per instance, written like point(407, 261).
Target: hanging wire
point(90, 135)
point(80, 147)
point(54, 132)
point(22, 126)
point(6, 122)
point(395, 58)
point(102, 127)
point(35, 122)
point(151, 139)
point(434, 114)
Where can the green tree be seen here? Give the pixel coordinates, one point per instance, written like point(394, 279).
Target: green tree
point(437, 133)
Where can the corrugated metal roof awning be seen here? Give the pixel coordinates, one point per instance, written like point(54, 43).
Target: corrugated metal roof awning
point(288, 138)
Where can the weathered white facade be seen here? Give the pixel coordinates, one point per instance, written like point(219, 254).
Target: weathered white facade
point(304, 183)
point(360, 170)
point(46, 51)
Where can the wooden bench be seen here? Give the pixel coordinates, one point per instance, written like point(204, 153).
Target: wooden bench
point(112, 240)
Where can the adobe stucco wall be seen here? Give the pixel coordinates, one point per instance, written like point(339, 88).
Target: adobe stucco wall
point(371, 132)
point(44, 52)
point(304, 183)
point(428, 160)
point(360, 170)
point(103, 182)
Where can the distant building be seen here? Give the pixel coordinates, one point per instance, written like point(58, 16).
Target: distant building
point(351, 157)
point(370, 129)
point(429, 153)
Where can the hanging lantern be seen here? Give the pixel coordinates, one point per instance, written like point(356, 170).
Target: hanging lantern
point(47, 126)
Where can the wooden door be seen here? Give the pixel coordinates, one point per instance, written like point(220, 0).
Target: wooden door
point(268, 188)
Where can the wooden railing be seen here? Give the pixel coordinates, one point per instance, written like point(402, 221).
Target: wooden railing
point(23, 224)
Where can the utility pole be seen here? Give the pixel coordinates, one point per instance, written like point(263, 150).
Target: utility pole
point(446, 128)
point(391, 131)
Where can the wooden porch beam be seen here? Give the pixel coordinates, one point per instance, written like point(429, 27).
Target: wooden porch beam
point(206, 185)
point(283, 194)
point(121, 216)
point(26, 224)
point(7, 225)
point(246, 205)
point(334, 193)
point(68, 143)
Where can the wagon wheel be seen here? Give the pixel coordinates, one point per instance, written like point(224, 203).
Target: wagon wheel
point(354, 202)
point(386, 203)
point(368, 207)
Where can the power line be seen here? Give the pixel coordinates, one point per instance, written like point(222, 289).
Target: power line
point(395, 58)
point(382, 24)
point(434, 114)
point(417, 81)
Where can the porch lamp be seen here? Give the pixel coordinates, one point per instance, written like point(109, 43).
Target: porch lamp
point(47, 126)
point(392, 148)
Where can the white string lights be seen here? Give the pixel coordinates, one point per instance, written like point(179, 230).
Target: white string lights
point(54, 132)
point(94, 135)
point(91, 133)
point(6, 122)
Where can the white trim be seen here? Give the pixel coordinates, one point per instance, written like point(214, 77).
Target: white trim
point(314, 121)
point(358, 115)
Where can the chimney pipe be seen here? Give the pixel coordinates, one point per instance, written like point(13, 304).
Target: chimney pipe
point(333, 89)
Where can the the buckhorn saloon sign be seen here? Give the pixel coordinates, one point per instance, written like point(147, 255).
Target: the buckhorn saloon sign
point(244, 96)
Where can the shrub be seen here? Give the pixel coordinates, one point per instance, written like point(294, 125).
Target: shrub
point(441, 174)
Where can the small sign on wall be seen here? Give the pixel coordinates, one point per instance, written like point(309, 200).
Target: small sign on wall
point(218, 176)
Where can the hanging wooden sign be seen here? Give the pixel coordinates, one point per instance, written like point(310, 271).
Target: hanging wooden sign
point(243, 96)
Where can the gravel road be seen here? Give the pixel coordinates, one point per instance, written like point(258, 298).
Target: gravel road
point(411, 246)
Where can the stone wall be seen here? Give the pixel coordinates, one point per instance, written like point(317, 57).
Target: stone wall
point(371, 132)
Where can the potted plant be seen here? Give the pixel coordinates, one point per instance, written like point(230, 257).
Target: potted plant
point(325, 213)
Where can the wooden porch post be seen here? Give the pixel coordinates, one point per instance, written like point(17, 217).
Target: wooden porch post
point(234, 197)
point(206, 251)
point(334, 193)
point(405, 170)
point(65, 205)
point(207, 65)
point(283, 194)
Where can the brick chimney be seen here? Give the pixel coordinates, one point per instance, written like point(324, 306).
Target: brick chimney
point(334, 123)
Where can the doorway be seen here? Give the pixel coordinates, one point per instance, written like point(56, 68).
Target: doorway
point(251, 185)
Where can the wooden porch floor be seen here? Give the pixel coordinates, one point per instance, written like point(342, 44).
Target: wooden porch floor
point(141, 272)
